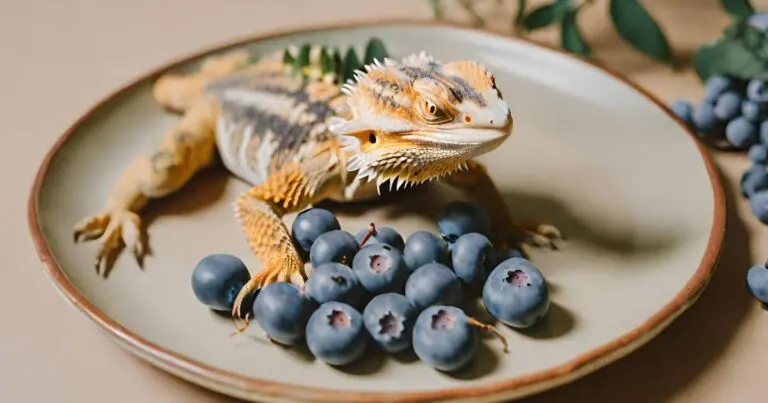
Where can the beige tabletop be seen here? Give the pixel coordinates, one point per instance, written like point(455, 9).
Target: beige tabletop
point(58, 57)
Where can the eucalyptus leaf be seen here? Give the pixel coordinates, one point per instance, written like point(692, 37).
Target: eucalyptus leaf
point(374, 50)
point(633, 22)
point(741, 52)
point(738, 9)
point(545, 15)
point(288, 57)
point(326, 61)
point(338, 64)
point(437, 8)
point(570, 36)
point(351, 63)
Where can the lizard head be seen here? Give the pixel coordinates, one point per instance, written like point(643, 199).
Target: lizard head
point(419, 119)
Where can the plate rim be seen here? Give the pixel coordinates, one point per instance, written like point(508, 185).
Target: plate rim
point(229, 382)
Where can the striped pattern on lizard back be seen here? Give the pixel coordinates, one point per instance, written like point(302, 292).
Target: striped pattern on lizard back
point(269, 118)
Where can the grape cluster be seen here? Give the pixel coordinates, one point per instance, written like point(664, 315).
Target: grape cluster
point(375, 289)
point(735, 112)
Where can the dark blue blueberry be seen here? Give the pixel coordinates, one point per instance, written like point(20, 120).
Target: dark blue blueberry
point(444, 339)
point(754, 111)
point(334, 282)
point(704, 119)
point(742, 133)
point(510, 253)
point(380, 268)
point(310, 224)
point(728, 105)
point(753, 180)
point(716, 85)
point(282, 311)
point(433, 284)
point(758, 154)
point(757, 90)
point(516, 293)
point(682, 109)
point(389, 319)
point(336, 334)
point(217, 279)
point(385, 235)
point(424, 247)
point(473, 258)
point(333, 246)
point(459, 218)
point(758, 203)
point(757, 282)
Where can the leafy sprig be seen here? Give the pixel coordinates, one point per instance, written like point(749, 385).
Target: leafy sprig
point(330, 62)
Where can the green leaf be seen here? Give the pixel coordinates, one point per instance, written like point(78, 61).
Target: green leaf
point(637, 26)
point(288, 57)
point(326, 62)
point(303, 59)
point(351, 63)
point(520, 15)
point(570, 36)
point(338, 64)
point(545, 15)
point(741, 52)
point(738, 9)
point(374, 50)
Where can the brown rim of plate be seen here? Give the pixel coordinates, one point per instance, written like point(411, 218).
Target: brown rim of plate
point(560, 374)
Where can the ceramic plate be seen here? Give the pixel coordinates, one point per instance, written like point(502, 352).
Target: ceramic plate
point(633, 192)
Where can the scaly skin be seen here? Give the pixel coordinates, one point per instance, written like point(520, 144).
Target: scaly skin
point(299, 141)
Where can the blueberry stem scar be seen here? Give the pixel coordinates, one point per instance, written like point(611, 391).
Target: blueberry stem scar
point(476, 323)
point(371, 232)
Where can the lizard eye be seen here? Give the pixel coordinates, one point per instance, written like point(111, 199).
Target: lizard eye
point(432, 114)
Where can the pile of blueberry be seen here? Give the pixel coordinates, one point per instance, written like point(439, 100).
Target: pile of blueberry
point(734, 112)
point(375, 288)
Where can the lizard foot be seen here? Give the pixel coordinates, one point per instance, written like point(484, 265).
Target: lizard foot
point(288, 269)
point(113, 230)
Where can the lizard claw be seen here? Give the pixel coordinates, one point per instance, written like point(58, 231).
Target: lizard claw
point(538, 234)
point(112, 230)
point(286, 271)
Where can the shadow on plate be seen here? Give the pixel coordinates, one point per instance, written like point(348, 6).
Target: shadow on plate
point(558, 322)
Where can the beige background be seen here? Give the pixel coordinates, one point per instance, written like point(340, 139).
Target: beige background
point(58, 57)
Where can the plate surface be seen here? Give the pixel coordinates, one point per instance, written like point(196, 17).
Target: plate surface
point(633, 192)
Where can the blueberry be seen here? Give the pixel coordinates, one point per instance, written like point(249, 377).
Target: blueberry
point(741, 133)
point(217, 279)
point(310, 224)
point(459, 218)
point(758, 154)
point(433, 284)
point(704, 119)
point(716, 85)
point(334, 282)
point(757, 282)
point(424, 247)
point(473, 258)
point(389, 319)
point(336, 334)
point(753, 180)
point(380, 268)
point(759, 21)
point(516, 293)
point(444, 339)
point(385, 235)
point(333, 246)
point(682, 109)
point(282, 311)
point(754, 111)
point(757, 90)
point(758, 203)
point(764, 132)
point(502, 256)
point(728, 105)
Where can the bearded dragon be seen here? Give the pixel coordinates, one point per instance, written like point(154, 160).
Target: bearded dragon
point(300, 137)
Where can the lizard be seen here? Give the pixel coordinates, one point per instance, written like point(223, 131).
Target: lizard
point(299, 135)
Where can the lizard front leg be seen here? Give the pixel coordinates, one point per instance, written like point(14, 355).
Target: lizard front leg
point(260, 211)
point(186, 148)
point(505, 231)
